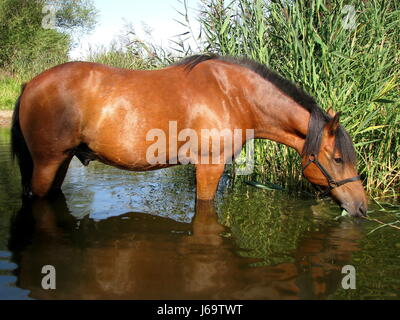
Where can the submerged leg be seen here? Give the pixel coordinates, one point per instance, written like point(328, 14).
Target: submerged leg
point(206, 229)
point(207, 178)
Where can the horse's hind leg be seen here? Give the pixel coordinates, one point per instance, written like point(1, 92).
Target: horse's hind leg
point(45, 175)
point(60, 175)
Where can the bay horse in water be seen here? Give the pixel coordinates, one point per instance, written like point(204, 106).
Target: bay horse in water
point(97, 112)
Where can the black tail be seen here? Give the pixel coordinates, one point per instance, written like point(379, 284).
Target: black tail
point(20, 150)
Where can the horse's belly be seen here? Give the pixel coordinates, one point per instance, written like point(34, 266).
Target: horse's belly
point(132, 161)
point(131, 157)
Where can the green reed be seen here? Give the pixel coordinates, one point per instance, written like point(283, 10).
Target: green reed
point(355, 70)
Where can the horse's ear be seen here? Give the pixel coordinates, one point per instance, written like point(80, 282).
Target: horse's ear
point(331, 112)
point(333, 124)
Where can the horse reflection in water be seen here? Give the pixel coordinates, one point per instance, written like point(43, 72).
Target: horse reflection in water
point(141, 256)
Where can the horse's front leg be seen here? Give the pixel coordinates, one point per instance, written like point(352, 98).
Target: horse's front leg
point(207, 178)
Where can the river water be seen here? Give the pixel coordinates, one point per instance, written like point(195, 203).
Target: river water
point(115, 234)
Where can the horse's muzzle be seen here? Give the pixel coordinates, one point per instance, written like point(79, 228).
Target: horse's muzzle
point(358, 209)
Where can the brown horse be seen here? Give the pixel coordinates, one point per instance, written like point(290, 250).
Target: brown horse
point(96, 112)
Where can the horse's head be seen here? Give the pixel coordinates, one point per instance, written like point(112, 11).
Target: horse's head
point(332, 165)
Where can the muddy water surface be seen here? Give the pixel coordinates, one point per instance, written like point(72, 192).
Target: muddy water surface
point(120, 235)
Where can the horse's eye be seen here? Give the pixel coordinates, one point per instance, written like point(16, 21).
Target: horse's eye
point(338, 160)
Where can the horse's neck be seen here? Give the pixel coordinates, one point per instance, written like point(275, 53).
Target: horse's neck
point(278, 117)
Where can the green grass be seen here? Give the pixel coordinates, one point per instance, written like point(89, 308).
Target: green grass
point(12, 76)
point(9, 90)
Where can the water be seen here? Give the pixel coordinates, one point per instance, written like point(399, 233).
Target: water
point(121, 235)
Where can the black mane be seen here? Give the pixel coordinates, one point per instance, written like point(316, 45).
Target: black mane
point(319, 117)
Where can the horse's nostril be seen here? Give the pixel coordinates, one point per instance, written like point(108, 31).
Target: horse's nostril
point(362, 209)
